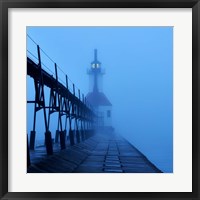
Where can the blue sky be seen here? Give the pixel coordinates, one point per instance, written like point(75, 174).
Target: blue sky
point(138, 80)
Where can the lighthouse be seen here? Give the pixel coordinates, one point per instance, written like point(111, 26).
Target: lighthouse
point(96, 96)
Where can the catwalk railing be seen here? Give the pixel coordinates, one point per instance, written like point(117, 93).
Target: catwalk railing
point(71, 107)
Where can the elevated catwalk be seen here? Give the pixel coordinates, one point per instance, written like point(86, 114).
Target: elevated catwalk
point(107, 153)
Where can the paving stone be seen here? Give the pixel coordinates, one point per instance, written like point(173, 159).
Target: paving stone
point(99, 154)
point(82, 169)
point(113, 162)
point(107, 165)
point(111, 170)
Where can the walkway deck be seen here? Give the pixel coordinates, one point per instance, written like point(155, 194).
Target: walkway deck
point(99, 154)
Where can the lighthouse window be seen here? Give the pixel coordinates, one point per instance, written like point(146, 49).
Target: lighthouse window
point(108, 113)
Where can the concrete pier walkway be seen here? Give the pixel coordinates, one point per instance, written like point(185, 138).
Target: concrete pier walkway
point(107, 153)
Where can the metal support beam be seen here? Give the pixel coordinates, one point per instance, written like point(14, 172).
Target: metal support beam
point(61, 101)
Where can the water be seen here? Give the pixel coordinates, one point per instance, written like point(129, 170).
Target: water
point(160, 153)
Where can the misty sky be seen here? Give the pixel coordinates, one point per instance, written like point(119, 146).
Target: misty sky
point(138, 80)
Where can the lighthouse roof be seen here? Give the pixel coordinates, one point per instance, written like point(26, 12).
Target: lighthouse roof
point(97, 98)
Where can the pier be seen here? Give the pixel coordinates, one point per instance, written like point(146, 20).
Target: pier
point(82, 143)
point(101, 153)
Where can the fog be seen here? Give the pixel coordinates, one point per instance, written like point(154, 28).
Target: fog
point(138, 81)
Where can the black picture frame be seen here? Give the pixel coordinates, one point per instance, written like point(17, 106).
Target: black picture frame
point(4, 81)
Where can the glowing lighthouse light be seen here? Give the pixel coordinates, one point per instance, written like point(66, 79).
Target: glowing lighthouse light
point(95, 65)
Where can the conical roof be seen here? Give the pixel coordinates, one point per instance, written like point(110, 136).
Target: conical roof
point(97, 98)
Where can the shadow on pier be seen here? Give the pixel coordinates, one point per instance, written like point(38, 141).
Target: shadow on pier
point(101, 153)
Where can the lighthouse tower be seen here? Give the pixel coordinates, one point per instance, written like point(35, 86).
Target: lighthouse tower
point(96, 97)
